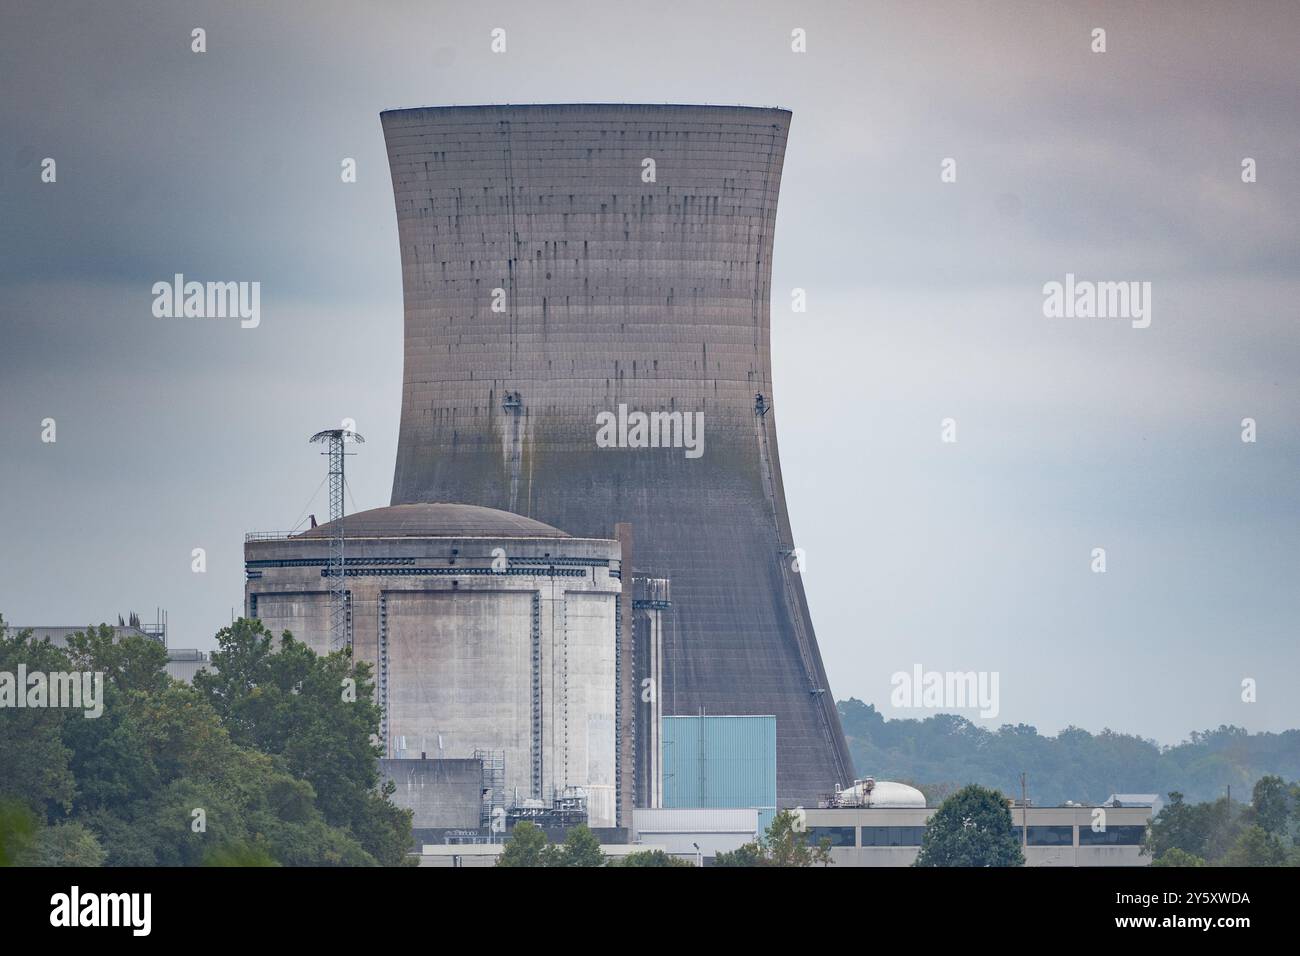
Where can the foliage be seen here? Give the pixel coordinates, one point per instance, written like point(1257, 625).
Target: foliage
point(1255, 847)
point(785, 843)
point(748, 854)
point(64, 844)
point(580, 848)
point(971, 828)
point(526, 846)
point(1177, 857)
point(266, 765)
point(1225, 833)
point(18, 828)
point(653, 858)
point(946, 749)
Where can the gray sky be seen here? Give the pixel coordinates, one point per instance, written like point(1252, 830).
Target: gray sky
point(925, 302)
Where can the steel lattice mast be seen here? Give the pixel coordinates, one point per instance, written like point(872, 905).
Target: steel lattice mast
point(334, 440)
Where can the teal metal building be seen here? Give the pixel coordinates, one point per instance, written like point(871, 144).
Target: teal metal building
point(720, 762)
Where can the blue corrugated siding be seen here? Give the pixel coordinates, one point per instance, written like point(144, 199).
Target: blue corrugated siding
point(719, 761)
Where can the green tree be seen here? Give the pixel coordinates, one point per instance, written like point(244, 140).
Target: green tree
point(971, 828)
point(784, 843)
point(652, 858)
point(1256, 847)
point(526, 846)
point(580, 848)
point(240, 853)
point(130, 662)
point(748, 854)
point(65, 844)
point(1271, 802)
point(18, 827)
point(1205, 830)
point(1177, 857)
point(34, 760)
point(319, 716)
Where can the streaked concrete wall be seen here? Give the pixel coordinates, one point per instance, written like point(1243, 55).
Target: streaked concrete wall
point(617, 291)
point(521, 662)
point(442, 793)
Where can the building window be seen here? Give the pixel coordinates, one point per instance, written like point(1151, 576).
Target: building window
point(1112, 836)
point(1050, 836)
point(839, 836)
point(892, 836)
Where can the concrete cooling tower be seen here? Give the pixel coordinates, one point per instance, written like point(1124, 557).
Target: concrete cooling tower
point(587, 342)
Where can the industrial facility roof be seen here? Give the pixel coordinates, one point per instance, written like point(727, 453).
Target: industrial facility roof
point(437, 520)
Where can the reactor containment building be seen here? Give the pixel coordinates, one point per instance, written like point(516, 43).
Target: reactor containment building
point(587, 343)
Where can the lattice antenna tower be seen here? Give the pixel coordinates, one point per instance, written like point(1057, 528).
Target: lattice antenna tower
point(340, 627)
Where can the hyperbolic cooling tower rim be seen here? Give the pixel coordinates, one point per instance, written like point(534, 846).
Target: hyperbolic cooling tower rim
point(585, 105)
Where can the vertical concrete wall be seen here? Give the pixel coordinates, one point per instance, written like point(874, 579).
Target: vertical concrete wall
point(442, 793)
point(615, 290)
point(466, 658)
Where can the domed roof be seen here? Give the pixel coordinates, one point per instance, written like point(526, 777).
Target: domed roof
point(437, 520)
point(881, 793)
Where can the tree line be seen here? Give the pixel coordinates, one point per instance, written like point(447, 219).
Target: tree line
point(945, 751)
point(269, 759)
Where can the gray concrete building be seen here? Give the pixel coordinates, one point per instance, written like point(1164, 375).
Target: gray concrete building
point(587, 342)
point(488, 631)
point(443, 794)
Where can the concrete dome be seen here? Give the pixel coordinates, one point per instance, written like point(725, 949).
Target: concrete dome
point(437, 520)
point(881, 793)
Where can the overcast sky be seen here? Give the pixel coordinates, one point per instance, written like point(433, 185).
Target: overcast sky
point(925, 302)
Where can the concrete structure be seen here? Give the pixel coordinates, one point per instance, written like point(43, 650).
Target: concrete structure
point(444, 794)
point(1058, 836)
point(568, 266)
point(487, 631)
point(184, 662)
point(692, 831)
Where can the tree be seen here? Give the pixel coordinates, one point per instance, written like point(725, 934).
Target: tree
point(1271, 802)
point(1256, 847)
point(65, 844)
point(129, 662)
point(318, 715)
point(33, 755)
point(971, 828)
point(785, 843)
point(747, 854)
point(1204, 830)
point(18, 826)
point(653, 858)
point(1177, 857)
point(526, 846)
point(580, 848)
